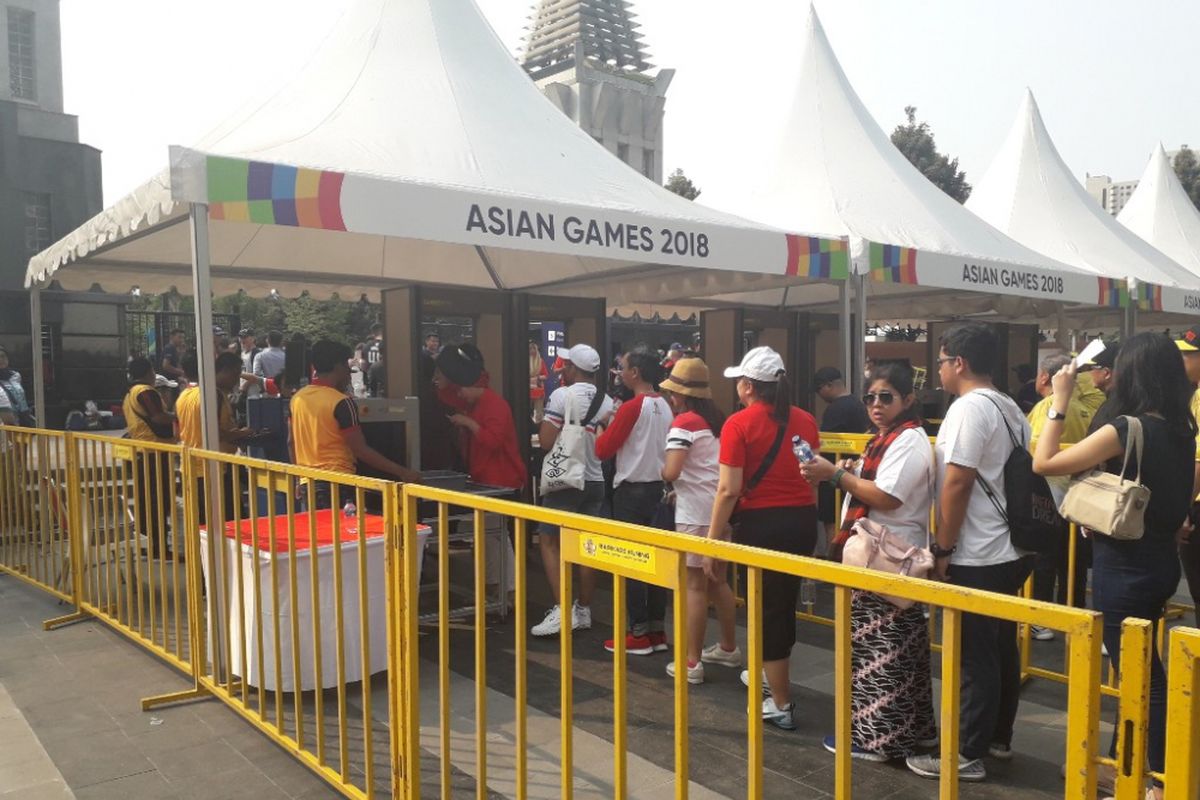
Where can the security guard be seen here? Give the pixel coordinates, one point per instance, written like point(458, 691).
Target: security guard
point(147, 420)
point(325, 433)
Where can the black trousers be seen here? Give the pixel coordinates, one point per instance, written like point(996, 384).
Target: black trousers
point(1189, 557)
point(645, 604)
point(991, 664)
point(1050, 579)
point(152, 482)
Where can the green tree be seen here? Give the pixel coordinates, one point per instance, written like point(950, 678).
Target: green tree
point(915, 140)
point(319, 319)
point(1188, 170)
point(682, 185)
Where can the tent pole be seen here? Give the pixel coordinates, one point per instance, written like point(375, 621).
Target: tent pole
point(205, 349)
point(39, 367)
point(845, 333)
point(860, 334)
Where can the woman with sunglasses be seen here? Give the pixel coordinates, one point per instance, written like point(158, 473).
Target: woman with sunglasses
point(892, 695)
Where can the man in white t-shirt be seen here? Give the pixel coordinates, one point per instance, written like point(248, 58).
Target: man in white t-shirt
point(578, 387)
point(973, 546)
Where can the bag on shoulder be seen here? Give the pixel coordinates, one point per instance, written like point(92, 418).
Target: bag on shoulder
point(565, 465)
point(1111, 504)
point(873, 546)
point(1029, 508)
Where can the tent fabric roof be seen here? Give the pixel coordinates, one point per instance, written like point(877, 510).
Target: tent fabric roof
point(1030, 193)
point(837, 170)
point(424, 153)
point(1161, 212)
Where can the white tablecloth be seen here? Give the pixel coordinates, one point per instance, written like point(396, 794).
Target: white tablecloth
point(267, 605)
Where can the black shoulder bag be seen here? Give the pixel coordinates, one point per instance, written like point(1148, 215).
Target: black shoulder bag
point(767, 461)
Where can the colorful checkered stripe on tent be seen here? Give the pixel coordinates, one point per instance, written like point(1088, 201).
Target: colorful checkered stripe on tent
point(814, 257)
point(1114, 293)
point(1149, 297)
point(892, 264)
point(274, 194)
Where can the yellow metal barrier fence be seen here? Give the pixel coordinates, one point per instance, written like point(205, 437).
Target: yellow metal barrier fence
point(296, 625)
point(1183, 716)
point(628, 551)
point(129, 530)
point(35, 546)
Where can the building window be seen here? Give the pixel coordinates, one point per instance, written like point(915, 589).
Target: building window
point(37, 222)
point(648, 163)
point(21, 63)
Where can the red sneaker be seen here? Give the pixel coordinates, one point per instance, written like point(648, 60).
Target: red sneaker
point(658, 641)
point(634, 645)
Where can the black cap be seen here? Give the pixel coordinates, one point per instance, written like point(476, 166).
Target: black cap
point(825, 376)
point(1104, 359)
point(244, 332)
point(460, 365)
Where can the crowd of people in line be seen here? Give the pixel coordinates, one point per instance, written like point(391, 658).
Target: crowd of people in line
point(755, 477)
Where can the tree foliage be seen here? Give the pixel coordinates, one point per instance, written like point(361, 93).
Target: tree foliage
point(915, 140)
point(1188, 169)
point(340, 320)
point(682, 185)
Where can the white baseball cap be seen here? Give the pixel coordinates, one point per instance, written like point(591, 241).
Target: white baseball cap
point(760, 364)
point(162, 380)
point(585, 357)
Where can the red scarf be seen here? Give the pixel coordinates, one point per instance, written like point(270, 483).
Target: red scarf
point(871, 459)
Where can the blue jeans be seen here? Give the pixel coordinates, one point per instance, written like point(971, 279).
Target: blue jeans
point(1137, 582)
point(645, 604)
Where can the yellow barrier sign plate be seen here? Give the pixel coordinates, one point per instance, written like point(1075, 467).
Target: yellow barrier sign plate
point(843, 444)
point(123, 452)
point(621, 557)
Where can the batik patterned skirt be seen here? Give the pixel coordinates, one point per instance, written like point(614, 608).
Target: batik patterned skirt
point(891, 698)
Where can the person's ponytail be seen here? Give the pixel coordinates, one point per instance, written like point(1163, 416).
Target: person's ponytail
point(783, 399)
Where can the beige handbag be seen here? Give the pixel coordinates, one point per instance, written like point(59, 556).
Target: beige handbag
point(1107, 503)
point(875, 547)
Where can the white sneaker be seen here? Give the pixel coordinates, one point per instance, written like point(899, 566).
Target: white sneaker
point(581, 617)
point(718, 655)
point(766, 687)
point(1040, 634)
point(550, 625)
point(779, 717)
point(695, 674)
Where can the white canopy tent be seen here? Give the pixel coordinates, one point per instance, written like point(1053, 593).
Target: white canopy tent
point(836, 167)
point(1029, 193)
point(412, 147)
point(1160, 212)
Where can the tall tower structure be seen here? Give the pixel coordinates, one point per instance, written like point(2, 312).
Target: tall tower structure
point(587, 57)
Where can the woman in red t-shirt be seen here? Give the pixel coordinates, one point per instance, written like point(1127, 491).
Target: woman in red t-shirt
point(770, 504)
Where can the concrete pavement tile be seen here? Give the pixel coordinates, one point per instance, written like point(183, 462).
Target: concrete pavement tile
point(224, 783)
point(144, 784)
point(289, 774)
point(90, 760)
point(56, 789)
point(199, 760)
point(69, 718)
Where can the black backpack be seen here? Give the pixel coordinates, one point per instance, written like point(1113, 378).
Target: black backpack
point(1030, 510)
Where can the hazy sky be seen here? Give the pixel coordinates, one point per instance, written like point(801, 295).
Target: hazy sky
point(1112, 78)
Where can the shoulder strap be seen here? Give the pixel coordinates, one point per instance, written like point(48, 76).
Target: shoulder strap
point(593, 407)
point(991, 495)
point(768, 459)
point(1133, 438)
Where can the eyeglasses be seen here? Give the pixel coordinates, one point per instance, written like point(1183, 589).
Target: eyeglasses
point(884, 398)
point(943, 360)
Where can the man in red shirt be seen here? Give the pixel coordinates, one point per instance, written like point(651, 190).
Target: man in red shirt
point(486, 421)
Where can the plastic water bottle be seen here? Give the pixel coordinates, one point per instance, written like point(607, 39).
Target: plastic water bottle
point(808, 593)
point(803, 450)
point(350, 510)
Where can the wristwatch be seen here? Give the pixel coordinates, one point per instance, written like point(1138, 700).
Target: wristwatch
point(941, 552)
point(1052, 414)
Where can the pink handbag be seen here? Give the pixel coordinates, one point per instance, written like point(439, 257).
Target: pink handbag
point(873, 546)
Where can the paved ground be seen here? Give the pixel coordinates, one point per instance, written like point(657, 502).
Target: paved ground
point(71, 724)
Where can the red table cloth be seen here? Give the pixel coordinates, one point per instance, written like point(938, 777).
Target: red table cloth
point(323, 520)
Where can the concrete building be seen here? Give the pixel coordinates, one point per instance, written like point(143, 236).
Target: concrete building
point(49, 185)
point(588, 58)
point(1111, 195)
